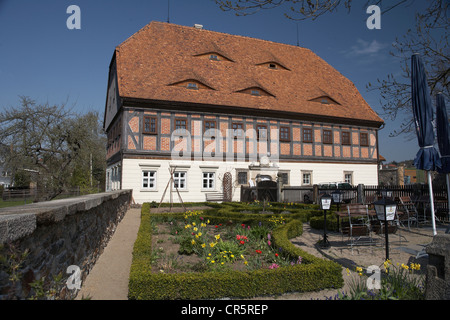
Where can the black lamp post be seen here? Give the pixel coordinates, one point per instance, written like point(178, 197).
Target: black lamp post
point(325, 204)
point(385, 209)
point(385, 193)
point(337, 197)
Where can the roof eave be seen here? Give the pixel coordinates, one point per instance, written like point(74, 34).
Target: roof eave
point(199, 107)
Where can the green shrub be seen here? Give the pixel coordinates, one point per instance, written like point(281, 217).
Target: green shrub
point(312, 274)
point(236, 284)
point(317, 222)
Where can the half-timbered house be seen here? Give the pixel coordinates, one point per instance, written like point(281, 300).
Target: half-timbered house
point(200, 104)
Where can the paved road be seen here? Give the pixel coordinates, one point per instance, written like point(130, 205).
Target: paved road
point(108, 279)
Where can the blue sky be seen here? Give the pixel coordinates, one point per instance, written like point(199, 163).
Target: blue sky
point(43, 59)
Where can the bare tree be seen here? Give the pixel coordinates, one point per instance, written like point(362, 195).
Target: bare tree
point(300, 9)
point(428, 38)
point(44, 139)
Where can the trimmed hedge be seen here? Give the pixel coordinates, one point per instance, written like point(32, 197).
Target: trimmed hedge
point(313, 274)
point(332, 222)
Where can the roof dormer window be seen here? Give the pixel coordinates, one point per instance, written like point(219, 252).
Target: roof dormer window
point(256, 92)
point(213, 56)
point(325, 100)
point(192, 85)
point(272, 65)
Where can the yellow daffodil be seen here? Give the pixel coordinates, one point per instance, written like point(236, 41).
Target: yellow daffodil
point(415, 266)
point(387, 263)
point(193, 241)
point(217, 237)
point(203, 245)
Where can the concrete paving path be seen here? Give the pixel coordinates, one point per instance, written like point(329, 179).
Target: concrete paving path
point(108, 279)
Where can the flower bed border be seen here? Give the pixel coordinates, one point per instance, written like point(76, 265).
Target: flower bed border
point(313, 274)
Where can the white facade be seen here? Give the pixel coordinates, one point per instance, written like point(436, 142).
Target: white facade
point(149, 178)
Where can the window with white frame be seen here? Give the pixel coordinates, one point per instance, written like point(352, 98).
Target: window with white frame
point(306, 178)
point(208, 181)
point(148, 180)
point(348, 177)
point(179, 180)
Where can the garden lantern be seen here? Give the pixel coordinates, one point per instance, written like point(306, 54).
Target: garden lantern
point(385, 209)
point(337, 197)
point(325, 204)
point(385, 193)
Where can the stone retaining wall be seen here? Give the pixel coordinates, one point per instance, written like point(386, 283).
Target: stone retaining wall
point(438, 269)
point(57, 234)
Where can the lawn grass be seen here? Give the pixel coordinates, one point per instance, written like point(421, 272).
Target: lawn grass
point(13, 203)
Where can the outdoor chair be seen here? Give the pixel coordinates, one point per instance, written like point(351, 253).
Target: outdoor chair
point(369, 200)
point(407, 212)
point(359, 230)
point(393, 228)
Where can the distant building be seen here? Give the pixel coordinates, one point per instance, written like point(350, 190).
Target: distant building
point(5, 175)
point(5, 178)
point(391, 174)
point(210, 105)
point(399, 174)
point(412, 176)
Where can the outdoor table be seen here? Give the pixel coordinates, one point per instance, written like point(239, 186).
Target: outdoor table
point(344, 214)
point(423, 202)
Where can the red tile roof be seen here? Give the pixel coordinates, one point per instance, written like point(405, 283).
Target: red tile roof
point(161, 54)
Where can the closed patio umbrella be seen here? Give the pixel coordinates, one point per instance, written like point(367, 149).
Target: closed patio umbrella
point(427, 158)
point(443, 138)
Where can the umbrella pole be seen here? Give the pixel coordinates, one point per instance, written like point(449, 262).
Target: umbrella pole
point(430, 186)
point(448, 194)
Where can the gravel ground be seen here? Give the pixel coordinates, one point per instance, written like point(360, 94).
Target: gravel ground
point(404, 247)
point(109, 278)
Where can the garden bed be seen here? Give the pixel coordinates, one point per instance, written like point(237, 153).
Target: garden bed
point(224, 252)
point(193, 244)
